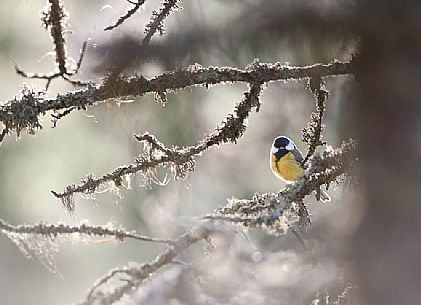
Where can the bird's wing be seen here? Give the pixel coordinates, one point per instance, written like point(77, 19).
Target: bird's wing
point(298, 155)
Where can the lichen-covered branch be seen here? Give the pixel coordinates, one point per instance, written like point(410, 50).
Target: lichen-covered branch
point(22, 112)
point(52, 230)
point(180, 160)
point(156, 23)
point(134, 276)
point(54, 19)
point(312, 134)
point(128, 14)
point(266, 211)
point(274, 210)
point(42, 240)
point(198, 75)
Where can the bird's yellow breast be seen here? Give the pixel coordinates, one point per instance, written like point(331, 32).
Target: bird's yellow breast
point(286, 168)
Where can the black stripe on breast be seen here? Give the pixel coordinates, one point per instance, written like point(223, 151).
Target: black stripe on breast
point(280, 153)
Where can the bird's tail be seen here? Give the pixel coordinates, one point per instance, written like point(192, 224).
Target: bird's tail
point(322, 196)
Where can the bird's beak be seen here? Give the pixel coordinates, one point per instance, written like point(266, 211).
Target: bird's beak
point(290, 146)
point(274, 150)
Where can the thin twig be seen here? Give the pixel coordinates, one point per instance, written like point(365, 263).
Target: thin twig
point(58, 115)
point(112, 273)
point(313, 132)
point(157, 19)
point(3, 134)
point(127, 15)
point(54, 19)
point(81, 55)
point(299, 237)
point(136, 275)
point(154, 142)
point(156, 23)
point(61, 229)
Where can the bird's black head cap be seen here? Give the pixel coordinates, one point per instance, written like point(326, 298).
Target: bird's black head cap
point(281, 142)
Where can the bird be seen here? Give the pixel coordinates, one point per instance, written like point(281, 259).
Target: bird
point(286, 163)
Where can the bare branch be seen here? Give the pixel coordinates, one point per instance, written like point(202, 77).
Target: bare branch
point(58, 115)
point(181, 160)
point(3, 134)
point(47, 76)
point(12, 116)
point(81, 55)
point(127, 15)
point(52, 230)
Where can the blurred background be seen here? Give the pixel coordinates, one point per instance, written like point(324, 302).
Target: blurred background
point(211, 33)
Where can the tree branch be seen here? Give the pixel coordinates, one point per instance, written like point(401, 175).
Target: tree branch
point(136, 275)
point(156, 23)
point(54, 19)
point(52, 230)
point(262, 210)
point(312, 134)
point(23, 111)
point(181, 160)
point(266, 210)
point(127, 15)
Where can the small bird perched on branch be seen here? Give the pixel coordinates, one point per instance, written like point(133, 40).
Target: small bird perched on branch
point(286, 163)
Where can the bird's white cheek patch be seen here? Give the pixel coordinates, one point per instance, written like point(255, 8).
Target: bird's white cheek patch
point(274, 150)
point(290, 146)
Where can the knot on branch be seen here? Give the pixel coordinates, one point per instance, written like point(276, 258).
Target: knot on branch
point(258, 71)
point(117, 85)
